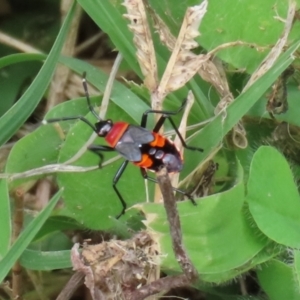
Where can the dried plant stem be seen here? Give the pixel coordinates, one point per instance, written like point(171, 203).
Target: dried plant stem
point(17, 44)
point(234, 44)
point(55, 168)
point(89, 42)
point(182, 129)
point(43, 193)
point(174, 223)
point(18, 219)
point(70, 288)
point(159, 285)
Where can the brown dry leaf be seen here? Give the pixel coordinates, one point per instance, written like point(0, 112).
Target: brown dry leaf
point(182, 130)
point(182, 66)
point(143, 41)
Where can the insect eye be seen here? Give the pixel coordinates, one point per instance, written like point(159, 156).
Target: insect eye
point(105, 129)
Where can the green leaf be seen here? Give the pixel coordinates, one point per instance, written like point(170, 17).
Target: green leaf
point(277, 280)
point(20, 57)
point(297, 268)
point(46, 260)
point(273, 197)
point(57, 223)
point(270, 251)
point(13, 119)
point(216, 233)
point(13, 81)
point(226, 23)
point(26, 237)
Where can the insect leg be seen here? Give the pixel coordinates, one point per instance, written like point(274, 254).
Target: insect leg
point(97, 149)
point(180, 136)
point(115, 181)
point(167, 115)
point(163, 112)
point(146, 176)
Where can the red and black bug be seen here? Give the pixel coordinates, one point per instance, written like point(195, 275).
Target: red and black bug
point(148, 150)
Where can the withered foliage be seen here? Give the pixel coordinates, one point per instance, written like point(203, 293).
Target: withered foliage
point(116, 268)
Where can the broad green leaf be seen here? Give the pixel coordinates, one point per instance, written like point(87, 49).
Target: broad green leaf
point(270, 251)
point(277, 280)
point(26, 237)
point(13, 119)
point(273, 197)
point(248, 21)
point(216, 233)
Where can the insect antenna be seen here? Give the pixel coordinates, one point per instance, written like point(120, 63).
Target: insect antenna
point(83, 119)
point(87, 95)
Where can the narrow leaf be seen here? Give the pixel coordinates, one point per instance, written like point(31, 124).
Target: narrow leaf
point(26, 237)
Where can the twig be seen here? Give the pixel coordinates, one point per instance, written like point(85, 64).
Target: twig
point(18, 219)
point(89, 42)
point(70, 288)
point(175, 227)
point(182, 129)
point(55, 168)
point(17, 44)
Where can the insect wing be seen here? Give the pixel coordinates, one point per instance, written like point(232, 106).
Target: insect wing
point(139, 135)
point(131, 141)
point(129, 151)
